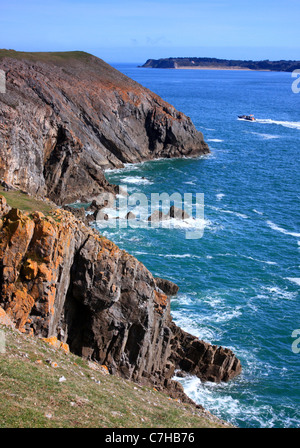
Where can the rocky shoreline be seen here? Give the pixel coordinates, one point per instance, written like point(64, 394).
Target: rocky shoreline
point(65, 119)
point(60, 278)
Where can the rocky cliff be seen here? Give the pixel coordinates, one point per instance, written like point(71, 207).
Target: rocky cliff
point(60, 278)
point(66, 117)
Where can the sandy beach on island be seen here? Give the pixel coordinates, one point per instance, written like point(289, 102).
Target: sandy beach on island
point(217, 68)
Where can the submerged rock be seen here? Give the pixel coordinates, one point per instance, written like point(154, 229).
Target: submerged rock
point(158, 216)
point(130, 215)
point(178, 213)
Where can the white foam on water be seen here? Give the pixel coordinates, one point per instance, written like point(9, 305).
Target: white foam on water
point(179, 256)
point(226, 255)
point(184, 299)
point(218, 400)
point(286, 124)
point(191, 322)
point(223, 316)
point(215, 140)
point(214, 300)
point(220, 196)
point(117, 218)
point(281, 230)
point(257, 212)
point(189, 325)
point(239, 215)
point(275, 293)
point(189, 223)
point(222, 401)
point(248, 258)
point(294, 280)
point(136, 180)
point(126, 167)
point(269, 136)
point(265, 136)
point(190, 182)
point(137, 252)
point(260, 261)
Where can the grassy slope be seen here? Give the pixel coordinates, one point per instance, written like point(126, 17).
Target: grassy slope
point(31, 395)
point(82, 64)
point(25, 202)
point(55, 56)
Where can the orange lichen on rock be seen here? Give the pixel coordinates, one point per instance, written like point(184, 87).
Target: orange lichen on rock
point(160, 301)
point(20, 307)
point(52, 340)
point(5, 319)
point(33, 251)
point(104, 370)
point(43, 239)
point(30, 269)
point(65, 347)
point(16, 235)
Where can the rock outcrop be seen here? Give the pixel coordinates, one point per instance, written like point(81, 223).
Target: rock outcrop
point(168, 287)
point(66, 117)
point(60, 278)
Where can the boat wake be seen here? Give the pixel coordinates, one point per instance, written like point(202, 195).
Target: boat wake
point(286, 124)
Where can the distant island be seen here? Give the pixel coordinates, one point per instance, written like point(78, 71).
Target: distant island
point(222, 64)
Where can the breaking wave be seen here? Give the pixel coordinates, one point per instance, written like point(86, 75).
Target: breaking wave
point(281, 230)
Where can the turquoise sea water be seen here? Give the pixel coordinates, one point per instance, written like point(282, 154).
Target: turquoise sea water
point(239, 283)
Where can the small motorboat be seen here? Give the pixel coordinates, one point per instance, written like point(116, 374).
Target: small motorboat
point(246, 117)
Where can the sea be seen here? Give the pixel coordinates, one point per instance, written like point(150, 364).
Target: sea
point(239, 276)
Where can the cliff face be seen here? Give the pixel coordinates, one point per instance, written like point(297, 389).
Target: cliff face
point(65, 117)
point(60, 278)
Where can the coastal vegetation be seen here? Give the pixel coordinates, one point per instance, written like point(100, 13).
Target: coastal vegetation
point(45, 387)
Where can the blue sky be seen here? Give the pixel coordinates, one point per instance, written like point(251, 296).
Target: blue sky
point(135, 30)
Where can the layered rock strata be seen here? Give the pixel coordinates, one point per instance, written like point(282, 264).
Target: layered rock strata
point(60, 278)
point(66, 117)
